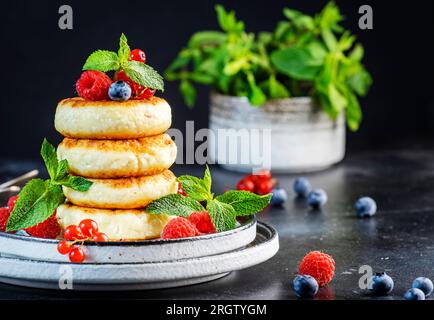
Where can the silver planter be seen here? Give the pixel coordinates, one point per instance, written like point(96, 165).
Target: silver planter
point(297, 135)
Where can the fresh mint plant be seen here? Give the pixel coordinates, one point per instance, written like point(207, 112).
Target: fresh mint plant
point(222, 209)
point(39, 198)
point(304, 56)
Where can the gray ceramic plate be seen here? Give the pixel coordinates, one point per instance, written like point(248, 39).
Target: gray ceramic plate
point(148, 275)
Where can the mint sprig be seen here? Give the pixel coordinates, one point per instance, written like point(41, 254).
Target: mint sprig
point(39, 198)
point(222, 209)
point(143, 74)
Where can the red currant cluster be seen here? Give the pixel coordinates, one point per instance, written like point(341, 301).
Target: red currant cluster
point(181, 190)
point(260, 183)
point(87, 230)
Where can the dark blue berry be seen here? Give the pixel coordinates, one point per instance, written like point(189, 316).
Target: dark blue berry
point(423, 284)
point(381, 284)
point(414, 294)
point(302, 187)
point(305, 286)
point(317, 198)
point(365, 207)
point(279, 196)
point(119, 91)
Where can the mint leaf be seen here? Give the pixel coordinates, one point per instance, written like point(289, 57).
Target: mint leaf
point(36, 203)
point(124, 49)
point(195, 188)
point(143, 75)
point(222, 215)
point(102, 60)
point(77, 183)
point(174, 204)
point(207, 179)
point(49, 155)
point(62, 169)
point(189, 92)
point(244, 202)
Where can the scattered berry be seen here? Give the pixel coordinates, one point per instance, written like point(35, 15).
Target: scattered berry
point(73, 233)
point(179, 227)
point(279, 197)
point(246, 185)
point(319, 265)
point(4, 216)
point(423, 284)
point(264, 187)
point(63, 247)
point(11, 202)
point(414, 294)
point(302, 187)
point(181, 190)
point(305, 286)
point(381, 284)
point(138, 55)
point(93, 85)
point(317, 198)
point(365, 207)
point(49, 229)
point(100, 237)
point(119, 91)
point(202, 221)
point(76, 255)
point(88, 227)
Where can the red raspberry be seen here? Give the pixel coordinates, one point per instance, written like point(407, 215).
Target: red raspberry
point(138, 91)
point(4, 216)
point(93, 85)
point(11, 202)
point(138, 55)
point(319, 265)
point(49, 229)
point(179, 227)
point(202, 221)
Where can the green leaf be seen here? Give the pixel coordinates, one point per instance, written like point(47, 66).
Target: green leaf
point(188, 92)
point(62, 170)
point(143, 75)
point(222, 215)
point(175, 205)
point(235, 66)
point(77, 183)
point(245, 202)
point(227, 20)
point(195, 188)
point(36, 203)
point(206, 38)
point(207, 179)
point(357, 53)
point(360, 81)
point(300, 20)
point(276, 89)
point(49, 155)
point(337, 100)
point(102, 60)
point(297, 63)
point(181, 60)
point(124, 49)
point(330, 17)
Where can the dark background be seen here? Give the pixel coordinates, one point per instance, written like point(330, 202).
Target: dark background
point(40, 62)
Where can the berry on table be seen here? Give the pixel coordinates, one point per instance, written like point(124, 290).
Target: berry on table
point(302, 187)
point(414, 294)
point(365, 207)
point(88, 227)
point(246, 185)
point(76, 255)
point(381, 284)
point(138, 55)
point(279, 196)
point(202, 221)
point(100, 237)
point(93, 85)
point(319, 265)
point(48, 229)
point(4, 216)
point(317, 198)
point(119, 91)
point(179, 227)
point(63, 247)
point(305, 286)
point(11, 202)
point(73, 233)
point(423, 284)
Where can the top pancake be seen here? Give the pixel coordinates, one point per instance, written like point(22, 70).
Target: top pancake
point(106, 119)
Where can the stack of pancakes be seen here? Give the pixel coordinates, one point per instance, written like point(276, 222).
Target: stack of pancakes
point(122, 148)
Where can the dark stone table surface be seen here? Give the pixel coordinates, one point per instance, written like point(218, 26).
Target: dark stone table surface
point(398, 240)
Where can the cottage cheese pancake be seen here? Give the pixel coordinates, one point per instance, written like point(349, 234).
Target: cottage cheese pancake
point(84, 119)
point(124, 193)
point(127, 224)
point(118, 158)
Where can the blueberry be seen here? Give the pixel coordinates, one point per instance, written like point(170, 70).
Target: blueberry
point(22, 233)
point(365, 207)
point(381, 284)
point(119, 91)
point(279, 196)
point(305, 286)
point(317, 198)
point(423, 284)
point(414, 294)
point(302, 187)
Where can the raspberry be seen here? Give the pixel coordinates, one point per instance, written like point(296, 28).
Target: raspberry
point(93, 85)
point(4, 216)
point(49, 229)
point(11, 202)
point(179, 227)
point(202, 221)
point(319, 265)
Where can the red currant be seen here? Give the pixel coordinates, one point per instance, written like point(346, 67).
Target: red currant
point(100, 237)
point(63, 247)
point(138, 91)
point(246, 185)
point(138, 55)
point(146, 93)
point(264, 175)
point(11, 202)
point(88, 227)
point(181, 190)
point(264, 187)
point(72, 233)
point(76, 255)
